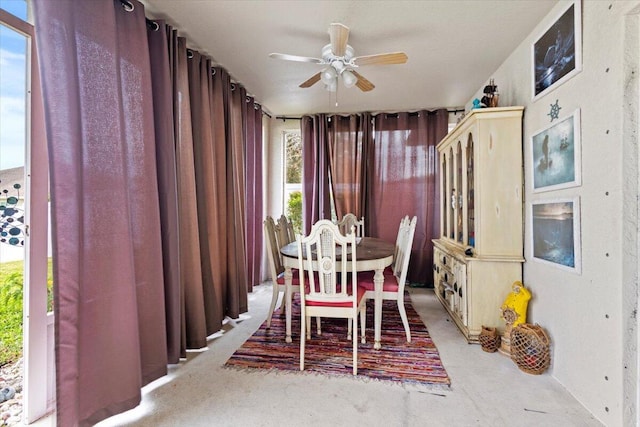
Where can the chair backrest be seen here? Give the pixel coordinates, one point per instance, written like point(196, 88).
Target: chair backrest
point(324, 254)
point(403, 223)
point(273, 248)
point(350, 220)
point(405, 235)
point(286, 232)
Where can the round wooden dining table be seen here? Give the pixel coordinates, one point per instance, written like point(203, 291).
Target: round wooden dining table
point(372, 254)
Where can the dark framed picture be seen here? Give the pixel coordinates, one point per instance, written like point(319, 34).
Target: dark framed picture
point(555, 155)
point(555, 233)
point(557, 53)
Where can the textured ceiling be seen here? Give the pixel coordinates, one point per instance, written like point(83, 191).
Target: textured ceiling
point(453, 47)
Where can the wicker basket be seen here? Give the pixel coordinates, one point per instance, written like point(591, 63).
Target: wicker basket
point(530, 348)
point(489, 339)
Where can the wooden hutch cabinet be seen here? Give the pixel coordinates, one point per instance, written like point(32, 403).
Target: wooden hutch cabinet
point(480, 250)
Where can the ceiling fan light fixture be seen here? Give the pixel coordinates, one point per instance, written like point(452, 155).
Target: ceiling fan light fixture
point(349, 79)
point(338, 65)
point(339, 60)
point(328, 75)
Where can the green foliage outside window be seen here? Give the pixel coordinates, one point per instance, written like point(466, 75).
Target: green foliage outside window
point(293, 150)
point(294, 210)
point(11, 294)
point(11, 314)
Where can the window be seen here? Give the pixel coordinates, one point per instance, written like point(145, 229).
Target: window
point(292, 141)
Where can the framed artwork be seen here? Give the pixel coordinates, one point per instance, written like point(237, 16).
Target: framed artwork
point(557, 53)
point(555, 233)
point(555, 155)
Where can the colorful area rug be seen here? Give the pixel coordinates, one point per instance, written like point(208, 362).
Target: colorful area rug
point(417, 362)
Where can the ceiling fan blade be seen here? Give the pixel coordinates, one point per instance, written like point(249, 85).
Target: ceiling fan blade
point(296, 58)
point(362, 83)
point(313, 80)
point(381, 59)
point(339, 35)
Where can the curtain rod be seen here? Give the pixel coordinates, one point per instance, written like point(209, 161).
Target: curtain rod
point(285, 118)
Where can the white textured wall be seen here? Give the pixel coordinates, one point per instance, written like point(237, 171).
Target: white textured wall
point(590, 316)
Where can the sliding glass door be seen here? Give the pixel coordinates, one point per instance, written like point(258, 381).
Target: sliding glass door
point(24, 211)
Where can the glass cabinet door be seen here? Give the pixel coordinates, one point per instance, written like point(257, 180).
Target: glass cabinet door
point(443, 197)
point(470, 194)
point(451, 195)
point(458, 192)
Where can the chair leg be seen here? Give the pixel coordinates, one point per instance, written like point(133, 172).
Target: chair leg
point(274, 300)
point(355, 346)
point(303, 332)
point(318, 326)
point(307, 320)
point(363, 325)
point(403, 315)
point(349, 327)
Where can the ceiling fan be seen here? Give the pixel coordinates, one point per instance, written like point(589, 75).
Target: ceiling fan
point(341, 62)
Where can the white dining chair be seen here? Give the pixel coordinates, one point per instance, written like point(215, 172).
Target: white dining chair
point(273, 237)
point(404, 222)
point(327, 262)
point(394, 282)
point(286, 232)
point(350, 221)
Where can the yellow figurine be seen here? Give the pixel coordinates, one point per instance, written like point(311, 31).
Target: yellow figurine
point(514, 308)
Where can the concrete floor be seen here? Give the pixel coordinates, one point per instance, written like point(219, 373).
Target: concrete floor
point(487, 389)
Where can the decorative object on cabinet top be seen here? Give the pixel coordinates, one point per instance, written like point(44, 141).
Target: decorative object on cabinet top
point(491, 96)
point(485, 112)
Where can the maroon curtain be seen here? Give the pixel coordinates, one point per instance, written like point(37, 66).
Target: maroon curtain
point(236, 175)
point(107, 249)
point(219, 128)
point(253, 138)
point(402, 180)
point(200, 92)
point(348, 138)
point(334, 149)
point(167, 183)
point(193, 324)
point(315, 167)
point(148, 154)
